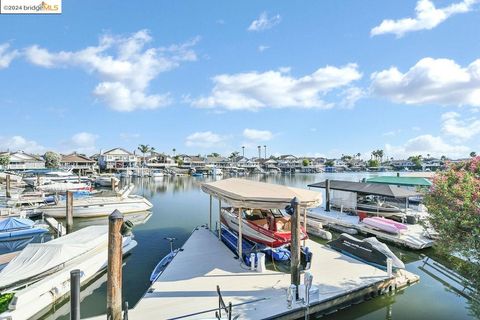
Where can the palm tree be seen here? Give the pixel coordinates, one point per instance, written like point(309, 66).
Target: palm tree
point(144, 148)
point(259, 152)
point(243, 151)
point(265, 147)
point(174, 150)
point(473, 154)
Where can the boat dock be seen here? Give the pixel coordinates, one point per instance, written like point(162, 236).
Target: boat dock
point(188, 286)
point(57, 226)
point(414, 237)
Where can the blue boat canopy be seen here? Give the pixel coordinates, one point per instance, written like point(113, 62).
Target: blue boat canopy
point(15, 224)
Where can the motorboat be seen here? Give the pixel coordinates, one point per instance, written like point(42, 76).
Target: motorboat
point(40, 275)
point(60, 187)
point(105, 180)
point(17, 228)
point(375, 206)
point(269, 227)
point(369, 250)
point(98, 206)
point(386, 225)
point(157, 174)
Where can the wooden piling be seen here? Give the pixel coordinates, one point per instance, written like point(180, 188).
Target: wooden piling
point(7, 186)
point(38, 179)
point(327, 195)
point(114, 268)
point(69, 211)
point(295, 245)
point(112, 180)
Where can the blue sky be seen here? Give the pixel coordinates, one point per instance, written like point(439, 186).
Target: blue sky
point(320, 78)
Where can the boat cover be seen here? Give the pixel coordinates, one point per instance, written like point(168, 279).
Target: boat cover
point(13, 223)
point(368, 189)
point(259, 195)
point(38, 258)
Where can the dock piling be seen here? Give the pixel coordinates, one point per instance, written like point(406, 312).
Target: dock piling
point(112, 180)
point(327, 195)
point(295, 246)
point(114, 268)
point(7, 186)
point(75, 294)
point(69, 213)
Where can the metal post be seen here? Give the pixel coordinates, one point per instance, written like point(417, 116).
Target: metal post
point(7, 186)
point(69, 208)
point(219, 219)
point(239, 244)
point(75, 294)
point(210, 220)
point(327, 195)
point(295, 246)
point(114, 268)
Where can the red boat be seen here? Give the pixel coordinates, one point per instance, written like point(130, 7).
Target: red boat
point(269, 227)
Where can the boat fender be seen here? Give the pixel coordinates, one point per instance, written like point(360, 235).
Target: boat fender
point(261, 262)
point(126, 228)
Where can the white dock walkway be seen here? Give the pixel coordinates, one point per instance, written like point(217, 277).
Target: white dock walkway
point(187, 288)
point(413, 238)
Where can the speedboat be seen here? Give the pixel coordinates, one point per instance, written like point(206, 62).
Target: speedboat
point(40, 275)
point(157, 174)
point(64, 187)
point(98, 206)
point(371, 206)
point(105, 180)
point(369, 250)
point(269, 227)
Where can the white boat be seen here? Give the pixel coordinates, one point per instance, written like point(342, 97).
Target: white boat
point(98, 206)
point(40, 275)
point(157, 174)
point(64, 187)
point(105, 180)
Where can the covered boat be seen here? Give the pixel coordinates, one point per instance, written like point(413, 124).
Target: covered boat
point(40, 274)
point(368, 250)
point(386, 225)
point(14, 228)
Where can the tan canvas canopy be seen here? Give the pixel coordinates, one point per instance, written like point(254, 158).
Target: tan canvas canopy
point(259, 195)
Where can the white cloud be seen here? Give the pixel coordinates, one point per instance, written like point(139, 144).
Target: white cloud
point(426, 144)
point(125, 66)
point(81, 142)
point(276, 89)
point(205, 139)
point(257, 135)
point(126, 136)
point(439, 81)
point(264, 22)
point(6, 55)
point(19, 143)
point(262, 48)
point(454, 126)
point(427, 17)
point(351, 96)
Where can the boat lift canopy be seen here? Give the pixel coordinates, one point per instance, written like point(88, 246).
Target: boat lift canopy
point(368, 189)
point(401, 181)
point(243, 193)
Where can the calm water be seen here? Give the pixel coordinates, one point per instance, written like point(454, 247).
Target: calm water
point(180, 206)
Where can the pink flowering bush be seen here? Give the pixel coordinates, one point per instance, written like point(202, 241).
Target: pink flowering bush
point(454, 207)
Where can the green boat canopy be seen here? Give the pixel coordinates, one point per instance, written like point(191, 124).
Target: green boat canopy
point(401, 181)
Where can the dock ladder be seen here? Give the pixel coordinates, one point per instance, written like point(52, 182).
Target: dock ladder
point(223, 306)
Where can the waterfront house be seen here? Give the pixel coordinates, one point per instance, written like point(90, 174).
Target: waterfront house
point(117, 158)
point(402, 164)
point(160, 160)
point(23, 161)
point(192, 161)
point(77, 162)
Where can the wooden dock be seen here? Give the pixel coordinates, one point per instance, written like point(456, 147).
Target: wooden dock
point(187, 287)
point(413, 238)
point(58, 227)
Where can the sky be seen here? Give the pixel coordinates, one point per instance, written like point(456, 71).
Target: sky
point(315, 78)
